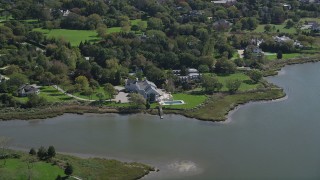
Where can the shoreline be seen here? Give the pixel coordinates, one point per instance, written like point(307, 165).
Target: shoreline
point(270, 94)
point(233, 111)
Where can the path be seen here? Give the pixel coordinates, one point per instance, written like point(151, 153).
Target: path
point(70, 95)
point(121, 96)
point(75, 177)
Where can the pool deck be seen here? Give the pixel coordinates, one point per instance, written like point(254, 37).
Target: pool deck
point(169, 103)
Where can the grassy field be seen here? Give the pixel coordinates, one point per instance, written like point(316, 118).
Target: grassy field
point(50, 94)
point(76, 36)
point(94, 95)
point(18, 169)
point(93, 168)
point(73, 36)
point(245, 85)
point(218, 106)
point(281, 27)
point(273, 56)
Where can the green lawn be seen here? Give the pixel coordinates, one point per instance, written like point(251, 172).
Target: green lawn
point(91, 168)
point(94, 95)
point(281, 27)
point(191, 101)
point(245, 85)
point(18, 169)
point(53, 95)
point(73, 36)
point(136, 21)
point(273, 56)
point(50, 94)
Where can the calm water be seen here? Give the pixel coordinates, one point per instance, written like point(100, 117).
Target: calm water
point(278, 140)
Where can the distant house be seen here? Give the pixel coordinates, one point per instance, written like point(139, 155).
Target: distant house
point(225, 2)
point(192, 75)
point(315, 27)
point(256, 51)
point(27, 89)
point(146, 88)
point(284, 39)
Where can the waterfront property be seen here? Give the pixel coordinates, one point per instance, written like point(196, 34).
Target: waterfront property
point(191, 74)
point(147, 89)
point(27, 89)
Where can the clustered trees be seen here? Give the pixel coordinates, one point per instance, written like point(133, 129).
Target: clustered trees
point(43, 153)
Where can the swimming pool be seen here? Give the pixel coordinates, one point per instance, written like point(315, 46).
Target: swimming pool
point(175, 102)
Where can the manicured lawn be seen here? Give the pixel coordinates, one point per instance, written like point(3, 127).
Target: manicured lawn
point(281, 27)
point(50, 94)
point(94, 95)
point(136, 21)
point(284, 56)
point(76, 36)
point(18, 169)
point(53, 95)
point(245, 85)
point(190, 100)
point(73, 36)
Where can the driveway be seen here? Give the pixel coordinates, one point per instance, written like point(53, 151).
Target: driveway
point(121, 96)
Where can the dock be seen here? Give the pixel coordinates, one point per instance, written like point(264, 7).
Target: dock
point(160, 111)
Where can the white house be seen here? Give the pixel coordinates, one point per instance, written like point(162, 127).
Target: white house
point(146, 88)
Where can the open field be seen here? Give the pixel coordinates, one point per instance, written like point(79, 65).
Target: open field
point(219, 105)
point(50, 94)
point(73, 36)
point(281, 28)
point(92, 168)
point(18, 169)
point(245, 85)
point(284, 56)
point(76, 36)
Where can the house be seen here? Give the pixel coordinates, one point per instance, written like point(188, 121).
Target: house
point(146, 88)
point(315, 27)
point(27, 89)
point(284, 39)
point(224, 2)
point(255, 50)
point(191, 75)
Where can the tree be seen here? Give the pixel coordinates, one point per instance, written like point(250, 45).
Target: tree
point(36, 101)
point(267, 28)
point(110, 90)
point(101, 97)
point(137, 100)
point(279, 55)
point(51, 152)
point(68, 170)
point(225, 66)
point(82, 82)
point(233, 85)
point(255, 75)
point(102, 30)
point(32, 152)
point(210, 83)
point(42, 153)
